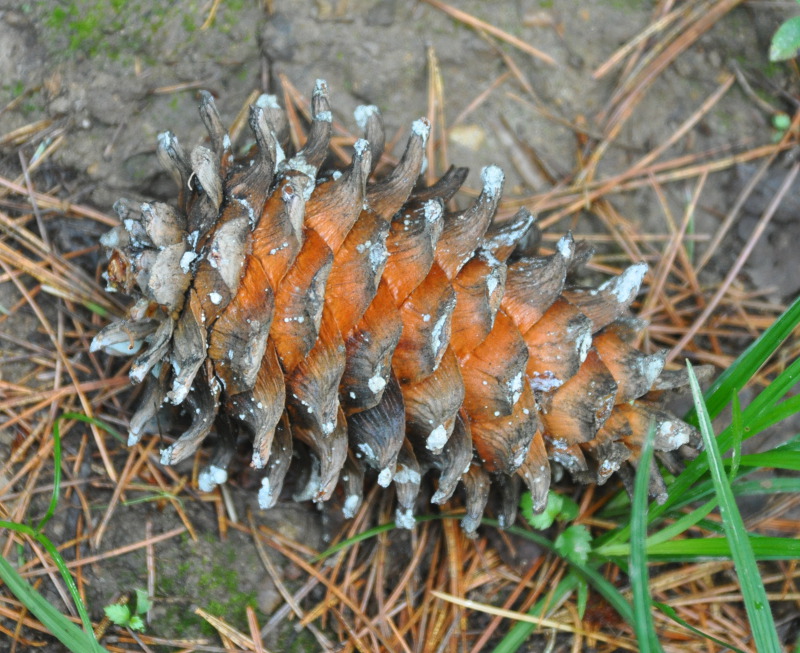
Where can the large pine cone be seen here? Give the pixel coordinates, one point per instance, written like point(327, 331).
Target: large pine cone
point(341, 325)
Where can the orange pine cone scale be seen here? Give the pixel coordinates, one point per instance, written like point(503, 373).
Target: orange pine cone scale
point(340, 325)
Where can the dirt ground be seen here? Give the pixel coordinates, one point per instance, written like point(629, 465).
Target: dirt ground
point(109, 76)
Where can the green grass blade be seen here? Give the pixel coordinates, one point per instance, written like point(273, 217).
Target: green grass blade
point(776, 414)
point(711, 548)
point(51, 509)
point(673, 530)
point(642, 623)
point(705, 489)
point(516, 637)
point(591, 575)
point(768, 398)
point(738, 374)
point(774, 459)
point(753, 593)
point(98, 423)
point(365, 535)
point(792, 444)
point(63, 629)
point(683, 524)
point(737, 430)
point(767, 486)
point(670, 612)
point(697, 468)
point(712, 527)
point(96, 308)
point(42, 539)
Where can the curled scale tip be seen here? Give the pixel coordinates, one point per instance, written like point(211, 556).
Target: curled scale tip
point(626, 286)
point(266, 101)
point(361, 146)
point(362, 114)
point(210, 477)
point(492, 177)
point(385, 477)
point(566, 246)
point(166, 455)
point(266, 498)
point(166, 139)
point(433, 210)
point(421, 128)
point(405, 518)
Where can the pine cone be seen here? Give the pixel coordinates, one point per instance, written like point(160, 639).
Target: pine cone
point(341, 325)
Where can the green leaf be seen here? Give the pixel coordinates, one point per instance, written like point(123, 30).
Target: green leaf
point(640, 578)
point(542, 520)
point(583, 597)
point(136, 623)
point(526, 507)
point(785, 41)
point(569, 509)
point(574, 543)
point(143, 603)
point(119, 614)
point(753, 593)
point(781, 121)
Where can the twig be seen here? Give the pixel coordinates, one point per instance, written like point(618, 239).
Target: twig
point(464, 17)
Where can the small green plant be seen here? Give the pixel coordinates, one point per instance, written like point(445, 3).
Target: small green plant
point(558, 507)
point(786, 40)
point(575, 542)
point(16, 89)
point(781, 122)
point(128, 614)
